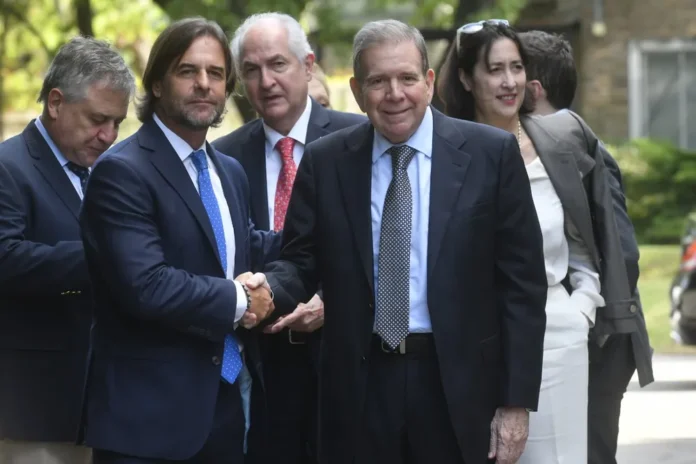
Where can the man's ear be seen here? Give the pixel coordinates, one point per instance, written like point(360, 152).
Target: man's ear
point(535, 88)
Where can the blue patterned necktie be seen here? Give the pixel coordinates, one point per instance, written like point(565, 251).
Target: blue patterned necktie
point(231, 358)
point(81, 172)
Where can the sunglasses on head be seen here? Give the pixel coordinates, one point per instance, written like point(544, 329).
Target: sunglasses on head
point(473, 28)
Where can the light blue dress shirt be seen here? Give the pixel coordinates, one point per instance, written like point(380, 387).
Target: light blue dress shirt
point(419, 176)
point(74, 179)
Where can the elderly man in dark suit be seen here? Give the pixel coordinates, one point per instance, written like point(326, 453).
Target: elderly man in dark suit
point(423, 233)
point(274, 64)
point(45, 297)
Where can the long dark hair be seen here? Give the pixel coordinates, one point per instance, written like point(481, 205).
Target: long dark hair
point(464, 53)
point(168, 49)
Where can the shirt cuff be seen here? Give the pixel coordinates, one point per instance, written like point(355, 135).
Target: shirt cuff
point(586, 305)
point(241, 302)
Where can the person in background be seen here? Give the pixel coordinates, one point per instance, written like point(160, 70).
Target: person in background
point(319, 87)
point(552, 82)
point(45, 298)
point(274, 64)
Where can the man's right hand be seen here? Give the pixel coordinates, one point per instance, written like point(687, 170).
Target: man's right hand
point(261, 298)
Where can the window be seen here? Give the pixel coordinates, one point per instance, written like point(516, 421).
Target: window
point(662, 91)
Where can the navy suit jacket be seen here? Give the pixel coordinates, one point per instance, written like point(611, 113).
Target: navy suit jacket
point(486, 277)
point(45, 304)
point(164, 304)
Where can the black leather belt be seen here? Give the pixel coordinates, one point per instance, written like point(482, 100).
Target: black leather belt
point(423, 343)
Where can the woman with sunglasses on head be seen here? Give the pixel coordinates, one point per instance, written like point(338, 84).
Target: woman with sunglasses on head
point(483, 79)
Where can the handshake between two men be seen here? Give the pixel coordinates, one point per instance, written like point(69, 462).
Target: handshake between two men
point(307, 317)
point(259, 299)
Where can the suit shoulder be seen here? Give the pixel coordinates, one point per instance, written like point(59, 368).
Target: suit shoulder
point(342, 119)
point(473, 130)
point(227, 144)
point(126, 151)
point(10, 148)
point(334, 141)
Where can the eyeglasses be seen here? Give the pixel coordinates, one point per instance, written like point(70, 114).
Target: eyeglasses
point(473, 28)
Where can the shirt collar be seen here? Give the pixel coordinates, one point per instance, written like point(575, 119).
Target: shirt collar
point(180, 146)
point(297, 133)
point(421, 140)
point(54, 148)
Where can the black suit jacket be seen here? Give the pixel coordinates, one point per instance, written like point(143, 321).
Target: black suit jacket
point(248, 146)
point(164, 304)
point(486, 277)
point(45, 301)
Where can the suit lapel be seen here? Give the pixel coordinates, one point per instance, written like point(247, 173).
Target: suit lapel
point(49, 167)
point(449, 166)
point(565, 175)
point(355, 178)
point(253, 160)
point(239, 224)
point(318, 123)
point(170, 166)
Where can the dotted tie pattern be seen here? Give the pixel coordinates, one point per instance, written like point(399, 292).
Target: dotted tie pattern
point(393, 301)
point(285, 181)
point(231, 358)
point(81, 172)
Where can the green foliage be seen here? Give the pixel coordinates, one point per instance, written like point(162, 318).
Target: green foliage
point(660, 185)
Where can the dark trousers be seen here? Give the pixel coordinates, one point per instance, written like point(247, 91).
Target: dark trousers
point(225, 445)
point(611, 369)
point(291, 401)
point(406, 420)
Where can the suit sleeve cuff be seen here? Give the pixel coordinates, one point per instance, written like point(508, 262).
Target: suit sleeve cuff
point(241, 302)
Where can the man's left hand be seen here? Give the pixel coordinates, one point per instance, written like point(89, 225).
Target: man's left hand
point(509, 432)
point(307, 317)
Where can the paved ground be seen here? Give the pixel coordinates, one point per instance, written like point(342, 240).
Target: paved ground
point(658, 423)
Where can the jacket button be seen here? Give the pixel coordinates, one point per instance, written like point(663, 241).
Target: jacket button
point(216, 360)
point(633, 308)
point(371, 306)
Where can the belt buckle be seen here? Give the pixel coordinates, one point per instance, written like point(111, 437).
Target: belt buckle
point(400, 350)
point(293, 342)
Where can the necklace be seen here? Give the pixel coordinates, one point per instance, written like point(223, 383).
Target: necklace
point(519, 133)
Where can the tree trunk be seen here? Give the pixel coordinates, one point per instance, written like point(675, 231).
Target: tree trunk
point(83, 12)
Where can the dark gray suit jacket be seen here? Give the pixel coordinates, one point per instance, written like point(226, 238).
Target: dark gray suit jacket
point(567, 146)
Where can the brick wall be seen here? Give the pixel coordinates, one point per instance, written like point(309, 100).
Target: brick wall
point(602, 61)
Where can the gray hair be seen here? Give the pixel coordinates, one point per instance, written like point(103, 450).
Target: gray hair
point(82, 62)
point(297, 39)
point(388, 31)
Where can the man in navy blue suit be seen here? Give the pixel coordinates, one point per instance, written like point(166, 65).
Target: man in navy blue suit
point(166, 229)
point(45, 298)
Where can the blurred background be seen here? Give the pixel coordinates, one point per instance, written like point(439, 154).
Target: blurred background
point(636, 62)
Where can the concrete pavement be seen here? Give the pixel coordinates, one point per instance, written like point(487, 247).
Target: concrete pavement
point(658, 422)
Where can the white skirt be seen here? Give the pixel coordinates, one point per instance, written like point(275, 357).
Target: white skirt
point(558, 430)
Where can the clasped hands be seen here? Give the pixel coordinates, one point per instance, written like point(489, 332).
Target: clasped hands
point(261, 305)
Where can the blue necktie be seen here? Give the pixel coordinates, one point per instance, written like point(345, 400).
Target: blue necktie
point(231, 358)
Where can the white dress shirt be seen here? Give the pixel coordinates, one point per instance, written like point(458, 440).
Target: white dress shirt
point(419, 176)
point(184, 150)
point(74, 178)
point(274, 162)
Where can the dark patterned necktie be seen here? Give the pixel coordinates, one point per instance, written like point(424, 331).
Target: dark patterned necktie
point(81, 172)
point(393, 302)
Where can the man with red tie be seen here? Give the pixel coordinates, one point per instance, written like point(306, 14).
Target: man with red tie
point(273, 60)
